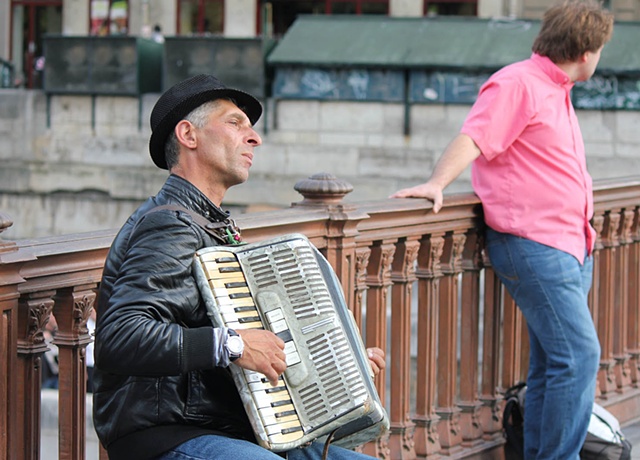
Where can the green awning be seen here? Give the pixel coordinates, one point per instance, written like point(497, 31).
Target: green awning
point(443, 43)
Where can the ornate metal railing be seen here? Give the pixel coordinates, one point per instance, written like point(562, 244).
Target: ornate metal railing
point(417, 283)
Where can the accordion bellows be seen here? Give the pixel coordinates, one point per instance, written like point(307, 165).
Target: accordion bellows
point(285, 285)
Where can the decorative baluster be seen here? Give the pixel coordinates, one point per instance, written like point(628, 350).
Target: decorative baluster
point(447, 363)
point(594, 293)
point(633, 331)
point(606, 301)
point(514, 338)
point(360, 288)
point(621, 304)
point(72, 308)
point(34, 312)
point(490, 414)
point(403, 277)
point(429, 273)
point(524, 348)
point(379, 281)
point(362, 261)
point(469, 342)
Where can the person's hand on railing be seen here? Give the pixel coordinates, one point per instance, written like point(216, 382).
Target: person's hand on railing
point(427, 190)
point(459, 154)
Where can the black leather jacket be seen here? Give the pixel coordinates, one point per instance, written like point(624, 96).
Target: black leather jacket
point(156, 384)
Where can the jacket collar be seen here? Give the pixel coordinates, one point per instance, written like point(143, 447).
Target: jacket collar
point(180, 191)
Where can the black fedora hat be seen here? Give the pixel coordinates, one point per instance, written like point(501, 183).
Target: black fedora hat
point(179, 100)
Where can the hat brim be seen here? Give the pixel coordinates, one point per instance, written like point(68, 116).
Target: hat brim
point(249, 105)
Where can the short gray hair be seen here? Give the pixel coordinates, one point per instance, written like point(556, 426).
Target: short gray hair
point(197, 117)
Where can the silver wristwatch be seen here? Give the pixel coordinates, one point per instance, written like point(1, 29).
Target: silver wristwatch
point(234, 345)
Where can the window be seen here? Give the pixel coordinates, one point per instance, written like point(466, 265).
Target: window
point(109, 17)
point(451, 7)
point(30, 22)
point(200, 17)
point(358, 6)
point(280, 14)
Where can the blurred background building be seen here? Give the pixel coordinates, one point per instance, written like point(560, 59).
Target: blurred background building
point(24, 23)
point(370, 91)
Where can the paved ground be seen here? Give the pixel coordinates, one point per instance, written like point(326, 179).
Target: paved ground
point(49, 426)
point(632, 432)
point(49, 441)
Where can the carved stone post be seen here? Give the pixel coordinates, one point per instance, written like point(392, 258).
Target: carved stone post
point(326, 191)
point(322, 189)
point(469, 341)
point(621, 304)
point(490, 413)
point(515, 339)
point(447, 363)
point(34, 313)
point(9, 403)
point(594, 293)
point(72, 309)
point(634, 300)
point(362, 262)
point(379, 281)
point(607, 379)
point(403, 277)
point(429, 273)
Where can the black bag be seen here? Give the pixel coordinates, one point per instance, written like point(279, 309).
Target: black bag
point(513, 421)
point(604, 441)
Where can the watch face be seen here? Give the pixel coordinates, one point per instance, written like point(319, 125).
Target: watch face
point(235, 345)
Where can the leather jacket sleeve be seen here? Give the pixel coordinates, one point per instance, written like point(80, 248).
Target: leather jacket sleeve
point(150, 319)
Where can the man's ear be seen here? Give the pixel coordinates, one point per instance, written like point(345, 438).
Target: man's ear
point(186, 134)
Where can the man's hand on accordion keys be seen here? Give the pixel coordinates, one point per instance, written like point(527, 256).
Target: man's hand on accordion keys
point(263, 352)
point(376, 359)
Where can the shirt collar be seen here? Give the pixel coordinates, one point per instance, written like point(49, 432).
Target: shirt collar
point(555, 73)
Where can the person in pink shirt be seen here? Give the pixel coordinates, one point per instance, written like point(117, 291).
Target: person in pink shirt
point(529, 169)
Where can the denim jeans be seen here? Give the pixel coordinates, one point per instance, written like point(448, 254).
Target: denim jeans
point(212, 447)
point(550, 287)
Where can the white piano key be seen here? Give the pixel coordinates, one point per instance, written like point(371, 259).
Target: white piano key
point(279, 326)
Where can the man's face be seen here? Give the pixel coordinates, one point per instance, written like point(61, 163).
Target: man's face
point(226, 143)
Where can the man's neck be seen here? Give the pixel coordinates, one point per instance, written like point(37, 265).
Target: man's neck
point(198, 181)
point(572, 69)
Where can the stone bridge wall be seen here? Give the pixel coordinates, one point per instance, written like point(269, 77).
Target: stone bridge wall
point(77, 163)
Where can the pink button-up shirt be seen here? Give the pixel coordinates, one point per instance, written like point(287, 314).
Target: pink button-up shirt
point(532, 176)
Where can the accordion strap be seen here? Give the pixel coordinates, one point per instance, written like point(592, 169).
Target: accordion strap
point(225, 231)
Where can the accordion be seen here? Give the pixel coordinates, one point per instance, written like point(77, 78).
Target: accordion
point(286, 286)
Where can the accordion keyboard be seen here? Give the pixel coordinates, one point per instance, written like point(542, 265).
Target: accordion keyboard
point(239, 311)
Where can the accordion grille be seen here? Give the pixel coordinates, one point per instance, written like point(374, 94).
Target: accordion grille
point(297, 270)
point(339, 385)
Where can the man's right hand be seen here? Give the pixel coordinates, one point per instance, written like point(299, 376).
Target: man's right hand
point(263, 352)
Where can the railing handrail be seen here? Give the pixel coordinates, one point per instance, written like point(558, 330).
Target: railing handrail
point(406, 273)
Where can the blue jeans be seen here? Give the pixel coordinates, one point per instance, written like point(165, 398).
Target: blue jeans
point(550, 287)
point(212, 447)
